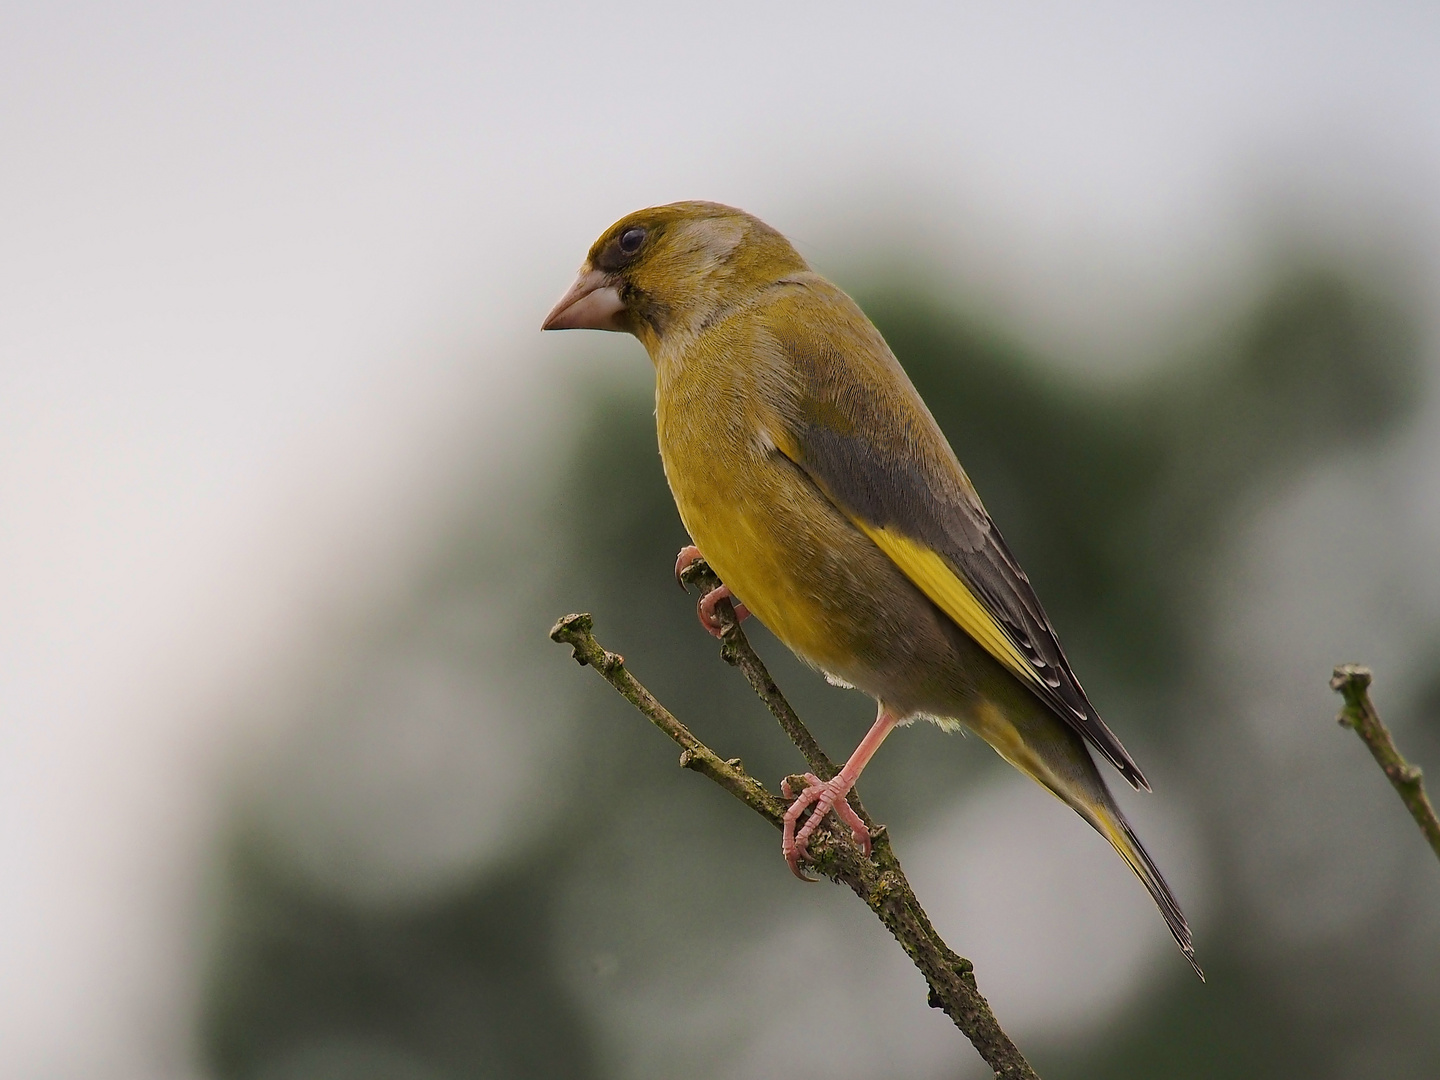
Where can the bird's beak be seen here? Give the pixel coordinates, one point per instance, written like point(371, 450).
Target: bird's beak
point(593, 303)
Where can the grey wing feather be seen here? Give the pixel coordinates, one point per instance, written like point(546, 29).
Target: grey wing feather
point(885, 461)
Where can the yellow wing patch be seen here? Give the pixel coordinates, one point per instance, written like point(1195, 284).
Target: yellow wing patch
point(928, 570)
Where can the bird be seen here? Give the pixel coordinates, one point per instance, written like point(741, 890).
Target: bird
point(819, 488)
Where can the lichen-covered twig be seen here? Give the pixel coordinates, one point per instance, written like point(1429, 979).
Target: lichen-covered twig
point(879, 880)
point(737, 652)
point(1352, 682)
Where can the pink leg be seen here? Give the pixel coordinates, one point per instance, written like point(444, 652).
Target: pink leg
point(822, 796)
point(706, 610)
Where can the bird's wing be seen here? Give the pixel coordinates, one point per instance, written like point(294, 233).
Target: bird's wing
point(857, 427)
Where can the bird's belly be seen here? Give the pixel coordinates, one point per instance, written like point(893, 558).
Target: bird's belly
point(803, 569)
point(776, 569)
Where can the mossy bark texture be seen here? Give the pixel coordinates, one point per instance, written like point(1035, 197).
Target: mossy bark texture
point(879, 880)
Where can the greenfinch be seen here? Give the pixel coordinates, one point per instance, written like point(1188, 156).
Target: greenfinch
point(813, 478)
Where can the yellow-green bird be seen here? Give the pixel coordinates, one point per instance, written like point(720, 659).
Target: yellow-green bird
point(813, 478)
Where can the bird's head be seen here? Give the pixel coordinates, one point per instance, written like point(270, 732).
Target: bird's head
point(672, 269)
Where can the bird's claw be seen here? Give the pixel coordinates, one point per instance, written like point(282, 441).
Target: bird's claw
point(820, 797)
point(709, 617)
point(688, 554)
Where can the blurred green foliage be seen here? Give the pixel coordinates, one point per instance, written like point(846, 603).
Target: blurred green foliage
point(1115, 496)
point(315, 988)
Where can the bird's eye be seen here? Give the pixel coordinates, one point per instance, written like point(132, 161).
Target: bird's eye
point(631, 239)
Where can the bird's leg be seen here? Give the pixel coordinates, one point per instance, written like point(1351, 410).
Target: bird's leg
point(822, 796)
point(709, 619)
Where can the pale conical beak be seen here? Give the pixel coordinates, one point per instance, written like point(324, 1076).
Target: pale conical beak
point(593, 303)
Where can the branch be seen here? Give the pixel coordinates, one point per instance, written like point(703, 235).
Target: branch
point(1352, 681)
point(737, 652)
point(878, 881)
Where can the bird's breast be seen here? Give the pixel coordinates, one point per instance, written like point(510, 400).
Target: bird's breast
point(771, 535)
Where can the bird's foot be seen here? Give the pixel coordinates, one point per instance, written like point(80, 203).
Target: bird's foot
point(819, 797)
point(709, 617)
point(688, 554)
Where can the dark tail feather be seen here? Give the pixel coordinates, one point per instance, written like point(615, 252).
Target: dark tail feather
point(1117, 830)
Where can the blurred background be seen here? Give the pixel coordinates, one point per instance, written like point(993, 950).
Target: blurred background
point(292, 783)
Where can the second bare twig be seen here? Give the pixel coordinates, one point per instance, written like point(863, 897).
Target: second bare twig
point(1352, 682)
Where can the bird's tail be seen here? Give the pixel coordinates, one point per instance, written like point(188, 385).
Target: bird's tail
point(1112, 825)
point(1027, 735)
